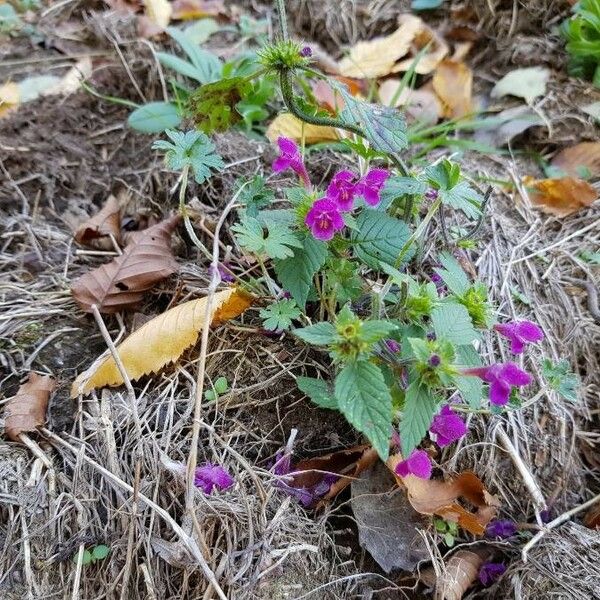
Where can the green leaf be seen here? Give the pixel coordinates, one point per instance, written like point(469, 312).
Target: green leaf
point(320, 334)
point(426, 4)
point(364, 399)
point(87, 557)
point(208, 66)
point(191, 148)
point(379, 238)
point(452, 322)
point(561, 379)
point(279, 315)
point(343, 280)
point(453, 275)
point(396, 187)
point(373, 331)
point(256, 195)
point(199, 31)
point(318, 391)
point(277, 243)
point(221, 385)
point(213, 105)
point(296, 273)
point(179, 65)
point(384, 126)
point(419, 409)
point(420, 349)
point(154, 117)
point(100, 552)
point(445, 177)
point(470, 388)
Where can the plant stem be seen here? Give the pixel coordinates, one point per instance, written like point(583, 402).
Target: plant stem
point(282, 20)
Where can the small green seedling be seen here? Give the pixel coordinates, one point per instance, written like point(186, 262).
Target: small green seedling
point(97, 553)
point(448, 529)
point(220, 387)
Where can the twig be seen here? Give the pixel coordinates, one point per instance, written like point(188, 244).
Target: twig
point(555, 523)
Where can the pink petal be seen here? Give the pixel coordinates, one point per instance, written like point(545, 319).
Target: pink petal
point(281, 163)
point(420, 464)
point(447, 427)
point(287, 146)
point(321, 233)
point(376, 177)
point(517, 345)
point(514, 375)
point(529, 331)
point(402, 469)
point(499, 392)
point(209, 476)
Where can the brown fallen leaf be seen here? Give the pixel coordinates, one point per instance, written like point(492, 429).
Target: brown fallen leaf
point(459, 574)
point(287, 125)
point(184, 10)
point(592, 517)
point(331, 99)
point(561, 196)
point(122, 282)
point(26, 411)
point(106, 222)
point(347, 463)
point(580, 160)
point(420, 105)
point(434, 497)
point(162, 340)
point(453, 83)
point(387, 523)
point(437, 50)
point(377, 57)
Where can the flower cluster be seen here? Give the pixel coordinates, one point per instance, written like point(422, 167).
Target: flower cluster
point(209, 477)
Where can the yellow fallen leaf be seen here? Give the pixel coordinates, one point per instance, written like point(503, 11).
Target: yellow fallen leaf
point(453, 83)
point(437, 50)
point(287, 125)
point(71, 81)
point(560, 196)
point(9, 98)
point(159, 12)
point(161, 340)
point(377, 57)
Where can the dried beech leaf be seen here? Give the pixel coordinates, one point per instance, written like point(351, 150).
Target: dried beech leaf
point(377, 57)
point(122, 282)
point(387, 523)
point(159, 12)
point(438, 50)
point(107, 221)
point(561, 196)
point(162, 340)
point(460, 572)
point(184, 10)
point(331, 99)
point(526, 83)
point(592, 517)
point(420, 105)
point(287, 125)
point(26, 411)
point(433, 497)
point(10, 97)
point(579, 160)
point(453, 83)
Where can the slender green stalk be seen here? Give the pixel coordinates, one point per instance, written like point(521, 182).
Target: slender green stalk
point(282, 19)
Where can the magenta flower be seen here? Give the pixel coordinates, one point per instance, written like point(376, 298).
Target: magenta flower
point(501, 529)
point(209, 476)
point(324, 219)
point(502, 378)
point(369, 187)
point(417, 464)
point(431, 194)
point(490, 572)
point(290, 158)
point(342, 190)
point(306, 52)
point(520, 333)
point(393, 345)
point(447, 426)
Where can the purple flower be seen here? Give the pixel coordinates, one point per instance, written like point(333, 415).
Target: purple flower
point(501, 377)
point(290, 158)
point(224, 272)
point(417, 464)
point(342, 190)
point(306, 52)
point(520, 333)
point(324, 219)
point(435, 360)
point(431, 194)
point(209, 476)
point(447, 426)
point(490, 572)
point(546, 515)
point(393, 345)
point(501, 530)
point(369, 187)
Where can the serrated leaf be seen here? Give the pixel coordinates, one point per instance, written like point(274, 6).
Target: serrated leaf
point(364, 399)
point(318, 391)
point(373, 331)
point(396, 187)
point(379, 238)
point(276, 243)
point(463, 197)
point(296, 273)
point(154, 117)
point(279, 315)
point(256, 195)
point(161, 340)
point(319, 334)
point(419, 409)
point(470, 388)
point(452, 322)
point(453, 275)
point(384, 126)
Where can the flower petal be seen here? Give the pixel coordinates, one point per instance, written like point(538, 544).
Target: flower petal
point(281, 163)
point(514, 375)
point(419, 464)
point(529, 331)
point(499, 392)
point(287, 146)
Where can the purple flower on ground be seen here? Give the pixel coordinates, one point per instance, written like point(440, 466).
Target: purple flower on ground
point(342, 190)
point(502, 378)
point(306, 52)
point(501, 529)
point(224, 272)
point(393, 345)
point(520, 333)
point(369, 187)
point(490, 572)
point(417, 464)
point(324, 219)
point(546, 515)
point(431, 194)
point(209, 476)
point(290, 158)
point(447, 426)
